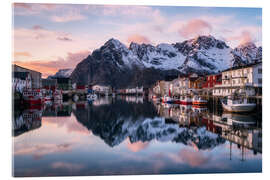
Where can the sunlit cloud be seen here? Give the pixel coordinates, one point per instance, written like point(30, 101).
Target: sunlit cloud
point(193, 158)
point(38, 32)
point(28, 9)
point(137, 146)
point(195, 27)
point(138, 39)
point(64, 38)
point(49, 67)
point(40, 150)
point(243, 38)
point(25, 54)
point(67, 17)
point(244, 35)
point(22, 5)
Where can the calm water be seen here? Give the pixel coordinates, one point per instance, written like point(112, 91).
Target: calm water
point(131, 135)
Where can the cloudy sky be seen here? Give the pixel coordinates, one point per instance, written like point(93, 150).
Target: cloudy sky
point(52, 36)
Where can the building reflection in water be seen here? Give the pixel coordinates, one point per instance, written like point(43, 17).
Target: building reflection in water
point(26, 120)
point(241, 129)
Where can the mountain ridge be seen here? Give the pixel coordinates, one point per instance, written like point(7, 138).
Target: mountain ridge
point(120, 66)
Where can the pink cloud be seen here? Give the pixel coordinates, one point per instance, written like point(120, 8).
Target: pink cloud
point(38, 151)
point(138, 39)
point(50, 67)
point(193, 158)
point(70, 16)
point(37, 27)
point(22, 5)
point(26, 54)
point(195, 27)
point(137, 146)
point(243, 38)
point(27, 9)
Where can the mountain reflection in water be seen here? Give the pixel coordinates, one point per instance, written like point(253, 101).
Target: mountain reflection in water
point(150, 131)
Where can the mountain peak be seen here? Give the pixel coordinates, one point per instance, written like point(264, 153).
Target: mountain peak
point(116, 43)
point(207, 42)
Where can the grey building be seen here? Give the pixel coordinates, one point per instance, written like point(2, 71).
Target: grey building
point(36, 76)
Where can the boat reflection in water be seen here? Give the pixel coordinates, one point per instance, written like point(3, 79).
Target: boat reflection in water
point(131, 135)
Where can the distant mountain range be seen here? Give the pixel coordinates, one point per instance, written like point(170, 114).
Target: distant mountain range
point(143, 64)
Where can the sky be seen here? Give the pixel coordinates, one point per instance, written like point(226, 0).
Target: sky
point(48, 37)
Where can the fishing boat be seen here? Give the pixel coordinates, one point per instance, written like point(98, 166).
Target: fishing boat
point(237, 104)
point(32, 97)
point(199, 101)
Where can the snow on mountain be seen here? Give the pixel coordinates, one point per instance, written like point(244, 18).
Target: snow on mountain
point(247, 53)
point(63, 73)
point(203, 55)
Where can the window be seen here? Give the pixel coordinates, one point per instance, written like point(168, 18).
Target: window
point(260, 71)
point(260, 80)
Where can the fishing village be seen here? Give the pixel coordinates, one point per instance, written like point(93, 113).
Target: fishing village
point(190, 100)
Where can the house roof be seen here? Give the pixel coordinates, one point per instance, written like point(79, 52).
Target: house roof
point(20, 75)
point(240, 67)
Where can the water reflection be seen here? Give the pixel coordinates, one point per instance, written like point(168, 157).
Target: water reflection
point(124, 134)
point(26, 120)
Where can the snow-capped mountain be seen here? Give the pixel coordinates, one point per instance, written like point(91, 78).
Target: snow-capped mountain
point(205, 54)
point(117, 65)
point(63, 73)
point(247, 53)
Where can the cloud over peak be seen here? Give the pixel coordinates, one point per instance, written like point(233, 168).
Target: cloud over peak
point(195, 27)
point(137, 38)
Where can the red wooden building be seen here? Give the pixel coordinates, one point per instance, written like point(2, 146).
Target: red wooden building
point(212, 80)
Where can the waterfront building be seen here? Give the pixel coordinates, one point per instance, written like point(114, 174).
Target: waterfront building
point(245, 79)
point(101, 88)
point(81, 88)
point(212, 80)
point(49, 84)
point(63, 83)
point(21, 81)
point(35, 75)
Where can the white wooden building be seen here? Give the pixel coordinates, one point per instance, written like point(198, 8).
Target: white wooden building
point(246, 79)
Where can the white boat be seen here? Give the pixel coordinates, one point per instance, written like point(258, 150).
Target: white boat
point(238, 119)
point(197, 100)
point(237, 105)
point(91, 97)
